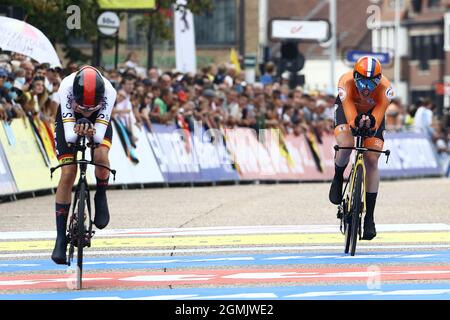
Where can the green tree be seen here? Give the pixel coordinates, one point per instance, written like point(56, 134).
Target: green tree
point(50, 16)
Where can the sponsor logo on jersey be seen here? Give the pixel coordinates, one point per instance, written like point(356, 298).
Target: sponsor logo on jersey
point(342, 93)
point(390, 93)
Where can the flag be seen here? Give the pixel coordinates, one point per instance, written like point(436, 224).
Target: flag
point(185, 39)
point(234, 58)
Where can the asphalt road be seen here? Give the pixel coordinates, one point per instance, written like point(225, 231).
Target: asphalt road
point(408, 201)
point(254, 241)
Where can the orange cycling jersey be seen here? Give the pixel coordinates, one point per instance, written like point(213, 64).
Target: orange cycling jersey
point(354, 103)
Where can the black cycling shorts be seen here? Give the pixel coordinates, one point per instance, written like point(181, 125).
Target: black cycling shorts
point(63, 152)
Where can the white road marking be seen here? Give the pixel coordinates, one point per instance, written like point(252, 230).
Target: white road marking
point(222, 249)
point(170, 277)
point(164, 232)
point(315, 294)
point(273, 295)
point(251, 275)
point(25, 282)
point(256, 296)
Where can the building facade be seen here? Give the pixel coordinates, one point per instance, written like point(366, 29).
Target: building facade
point(243, 25)
point(423, 45)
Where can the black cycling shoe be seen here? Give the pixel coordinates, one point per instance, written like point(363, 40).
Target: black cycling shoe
point(335, 194)
point(59, 252)
point(369, 231)
point(101, 219)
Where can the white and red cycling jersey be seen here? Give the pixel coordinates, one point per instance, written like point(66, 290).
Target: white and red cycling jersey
point(69, 115)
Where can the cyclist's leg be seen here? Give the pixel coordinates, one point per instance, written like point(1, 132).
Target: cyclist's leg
point(63, 192)
point(101, 156)
point(344, 138)
point(372, 181)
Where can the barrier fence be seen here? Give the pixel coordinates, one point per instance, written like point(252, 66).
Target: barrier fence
point(167, 154)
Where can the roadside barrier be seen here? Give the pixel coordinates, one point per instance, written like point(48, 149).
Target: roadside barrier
point(168, 155)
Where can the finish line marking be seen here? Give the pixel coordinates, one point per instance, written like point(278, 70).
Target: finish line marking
point(254, 260)
point(239, 240)
point(227, 276)
point(233, 230)
point(214, 250)
point(344, 292)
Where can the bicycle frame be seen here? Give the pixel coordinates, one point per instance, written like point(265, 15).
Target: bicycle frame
point(83, 163)
point(358, 161)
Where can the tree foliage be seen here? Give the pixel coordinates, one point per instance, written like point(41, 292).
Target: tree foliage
point(50, 16)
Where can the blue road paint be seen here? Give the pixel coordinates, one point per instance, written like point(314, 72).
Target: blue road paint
point(233, 260)
point(356, 292)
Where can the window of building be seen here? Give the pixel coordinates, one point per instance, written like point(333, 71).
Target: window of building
point(415, 47)
point(437, 47)
point(135, 34)
point(217, 27)
point(425, 52)
point(425, 48)
point(416, 5)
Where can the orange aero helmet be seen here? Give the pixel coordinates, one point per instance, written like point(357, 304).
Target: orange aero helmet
point(367, 74)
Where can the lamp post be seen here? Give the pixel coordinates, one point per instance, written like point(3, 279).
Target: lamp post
point(333, 21)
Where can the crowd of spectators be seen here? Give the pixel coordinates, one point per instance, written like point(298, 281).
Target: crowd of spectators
point(216, 96)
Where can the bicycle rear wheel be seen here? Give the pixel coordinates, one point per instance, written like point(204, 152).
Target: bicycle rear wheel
point(81, 233)
point(356, 209)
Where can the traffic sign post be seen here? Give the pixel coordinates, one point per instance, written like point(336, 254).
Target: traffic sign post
point(294, 29)
point(108, 24)
point(291, 32)
point(249, 66)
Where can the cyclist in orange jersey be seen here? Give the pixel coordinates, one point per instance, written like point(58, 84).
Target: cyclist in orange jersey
point(363, 97)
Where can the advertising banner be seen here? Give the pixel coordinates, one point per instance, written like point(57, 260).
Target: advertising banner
point(214, 160)
point(251, 159)
point(412, 154)
point(272, 156)
point(25, 160)
point(128, 171)
point(174, 153)
point(313, 160)
point(124, 5)
point(7, 185)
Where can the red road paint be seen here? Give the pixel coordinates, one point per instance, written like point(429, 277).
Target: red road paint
point(232, 277)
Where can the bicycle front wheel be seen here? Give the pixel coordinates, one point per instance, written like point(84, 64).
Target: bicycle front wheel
point(81, 234)
point(347, 228)
point(356, 209)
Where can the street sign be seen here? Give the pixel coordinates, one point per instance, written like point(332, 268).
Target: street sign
point(306, 30)
point(353, 56)
point(108, 23)
point(250, 61)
